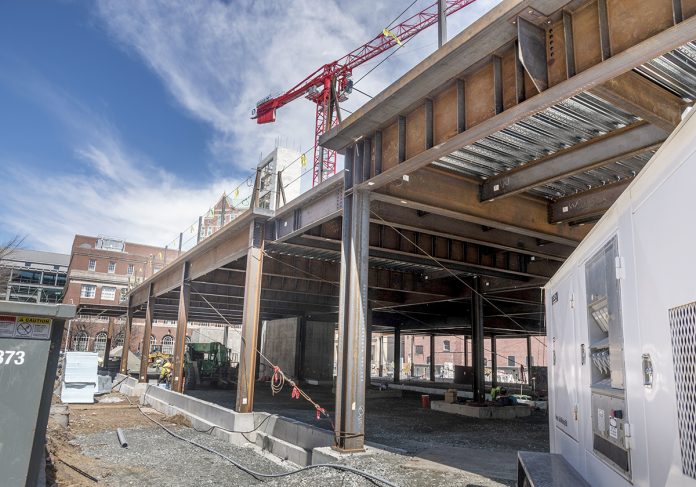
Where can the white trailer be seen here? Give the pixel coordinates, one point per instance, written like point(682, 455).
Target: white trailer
point(621, 324)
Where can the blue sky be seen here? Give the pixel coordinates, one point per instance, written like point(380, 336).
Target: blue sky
point(130, 118)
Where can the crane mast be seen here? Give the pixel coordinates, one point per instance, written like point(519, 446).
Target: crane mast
point(332, 83)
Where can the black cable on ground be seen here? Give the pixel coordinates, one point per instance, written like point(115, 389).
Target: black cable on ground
point(260, 476)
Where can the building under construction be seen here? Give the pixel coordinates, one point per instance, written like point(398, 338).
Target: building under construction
point(467, 183)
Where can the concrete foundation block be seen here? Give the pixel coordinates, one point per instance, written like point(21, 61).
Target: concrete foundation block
point(283, 449)
point(490, 412)
point(326, 454)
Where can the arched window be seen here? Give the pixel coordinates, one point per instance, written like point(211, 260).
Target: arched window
point(153, 342)
point(168, 344)
point(119, 341)
point(80, 341)
point(100, 341)
point(187, 340)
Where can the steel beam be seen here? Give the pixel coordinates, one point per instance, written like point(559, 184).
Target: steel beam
point(637, 95)
point(477, 341)
point(126, 338)
point(453, 196)
point(591, 77)
point(145, 347)
point(251, 318)
point(352, 325)
point(600, 151)
point(587, 204)
point(531, 41)
point(181, 324)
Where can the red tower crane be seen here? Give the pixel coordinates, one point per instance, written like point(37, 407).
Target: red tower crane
point(332, 82)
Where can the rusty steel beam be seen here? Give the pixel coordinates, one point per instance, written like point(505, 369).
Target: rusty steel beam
point(587, 79)
point(450, 195)
point(587, 204)
point(145, 348)
point(600, 151)
point(637, 95)
point(407, 219)
point(181, 324)
point(251, 318)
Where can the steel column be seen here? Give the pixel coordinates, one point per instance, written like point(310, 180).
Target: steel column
point(432, 357)
point(181, 324)
point(466, 351)
point(126, 339)
point(250, 318)
point(529, 360)
point(397, 355)
point(353, 309)
point(109, 338)
point(494, 361)
point(441, 22)
point(381, 355)
point(145, 348)
point(368, 348)
point(477, 341)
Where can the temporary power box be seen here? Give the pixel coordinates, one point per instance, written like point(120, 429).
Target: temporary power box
point(621, 323)
point(30, 337)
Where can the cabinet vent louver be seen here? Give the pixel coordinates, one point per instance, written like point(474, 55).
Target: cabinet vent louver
point(682, 321)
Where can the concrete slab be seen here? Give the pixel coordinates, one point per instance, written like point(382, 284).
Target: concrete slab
point(484, 412)
point(500, 464)
point(283, 449)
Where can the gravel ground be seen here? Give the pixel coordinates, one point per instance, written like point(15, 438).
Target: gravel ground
point(158, 458)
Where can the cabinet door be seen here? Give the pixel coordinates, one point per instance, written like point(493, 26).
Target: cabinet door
point(564, 357)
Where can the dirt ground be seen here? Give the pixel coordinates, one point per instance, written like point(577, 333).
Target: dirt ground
point(433, 447)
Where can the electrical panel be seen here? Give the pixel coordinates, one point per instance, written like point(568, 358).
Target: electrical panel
point(610, 428)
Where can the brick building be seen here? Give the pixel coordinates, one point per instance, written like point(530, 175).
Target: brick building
point(454, 350)
point(100, 274)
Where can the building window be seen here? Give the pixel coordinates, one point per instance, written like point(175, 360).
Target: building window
point(153, 342)
point(100, 341)
point(446, 346)
point(27, 264)
point(56, 267)
point(108, 293)
point(123, 295)
point(168, 344)
point(119, 340)
point(187, 340)
point(88, 291)
point(234, 357)
point(511, 360)
point(131, 268)
point(92, 266)
point(112, 267)
point(80, 341)
point(419, 349)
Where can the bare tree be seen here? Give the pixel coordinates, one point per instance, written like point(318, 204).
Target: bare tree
point(6, 250)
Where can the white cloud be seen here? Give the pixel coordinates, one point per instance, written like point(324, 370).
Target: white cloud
point(106, 189)
point(218, 58)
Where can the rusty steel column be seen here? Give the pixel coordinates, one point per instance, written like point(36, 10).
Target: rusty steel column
point(181, 324)
point(251, 315)
point(529, 360)
point(477, 341)
point(353, 310)
point(145, 348)
point(126, 339)
point(109, 338)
